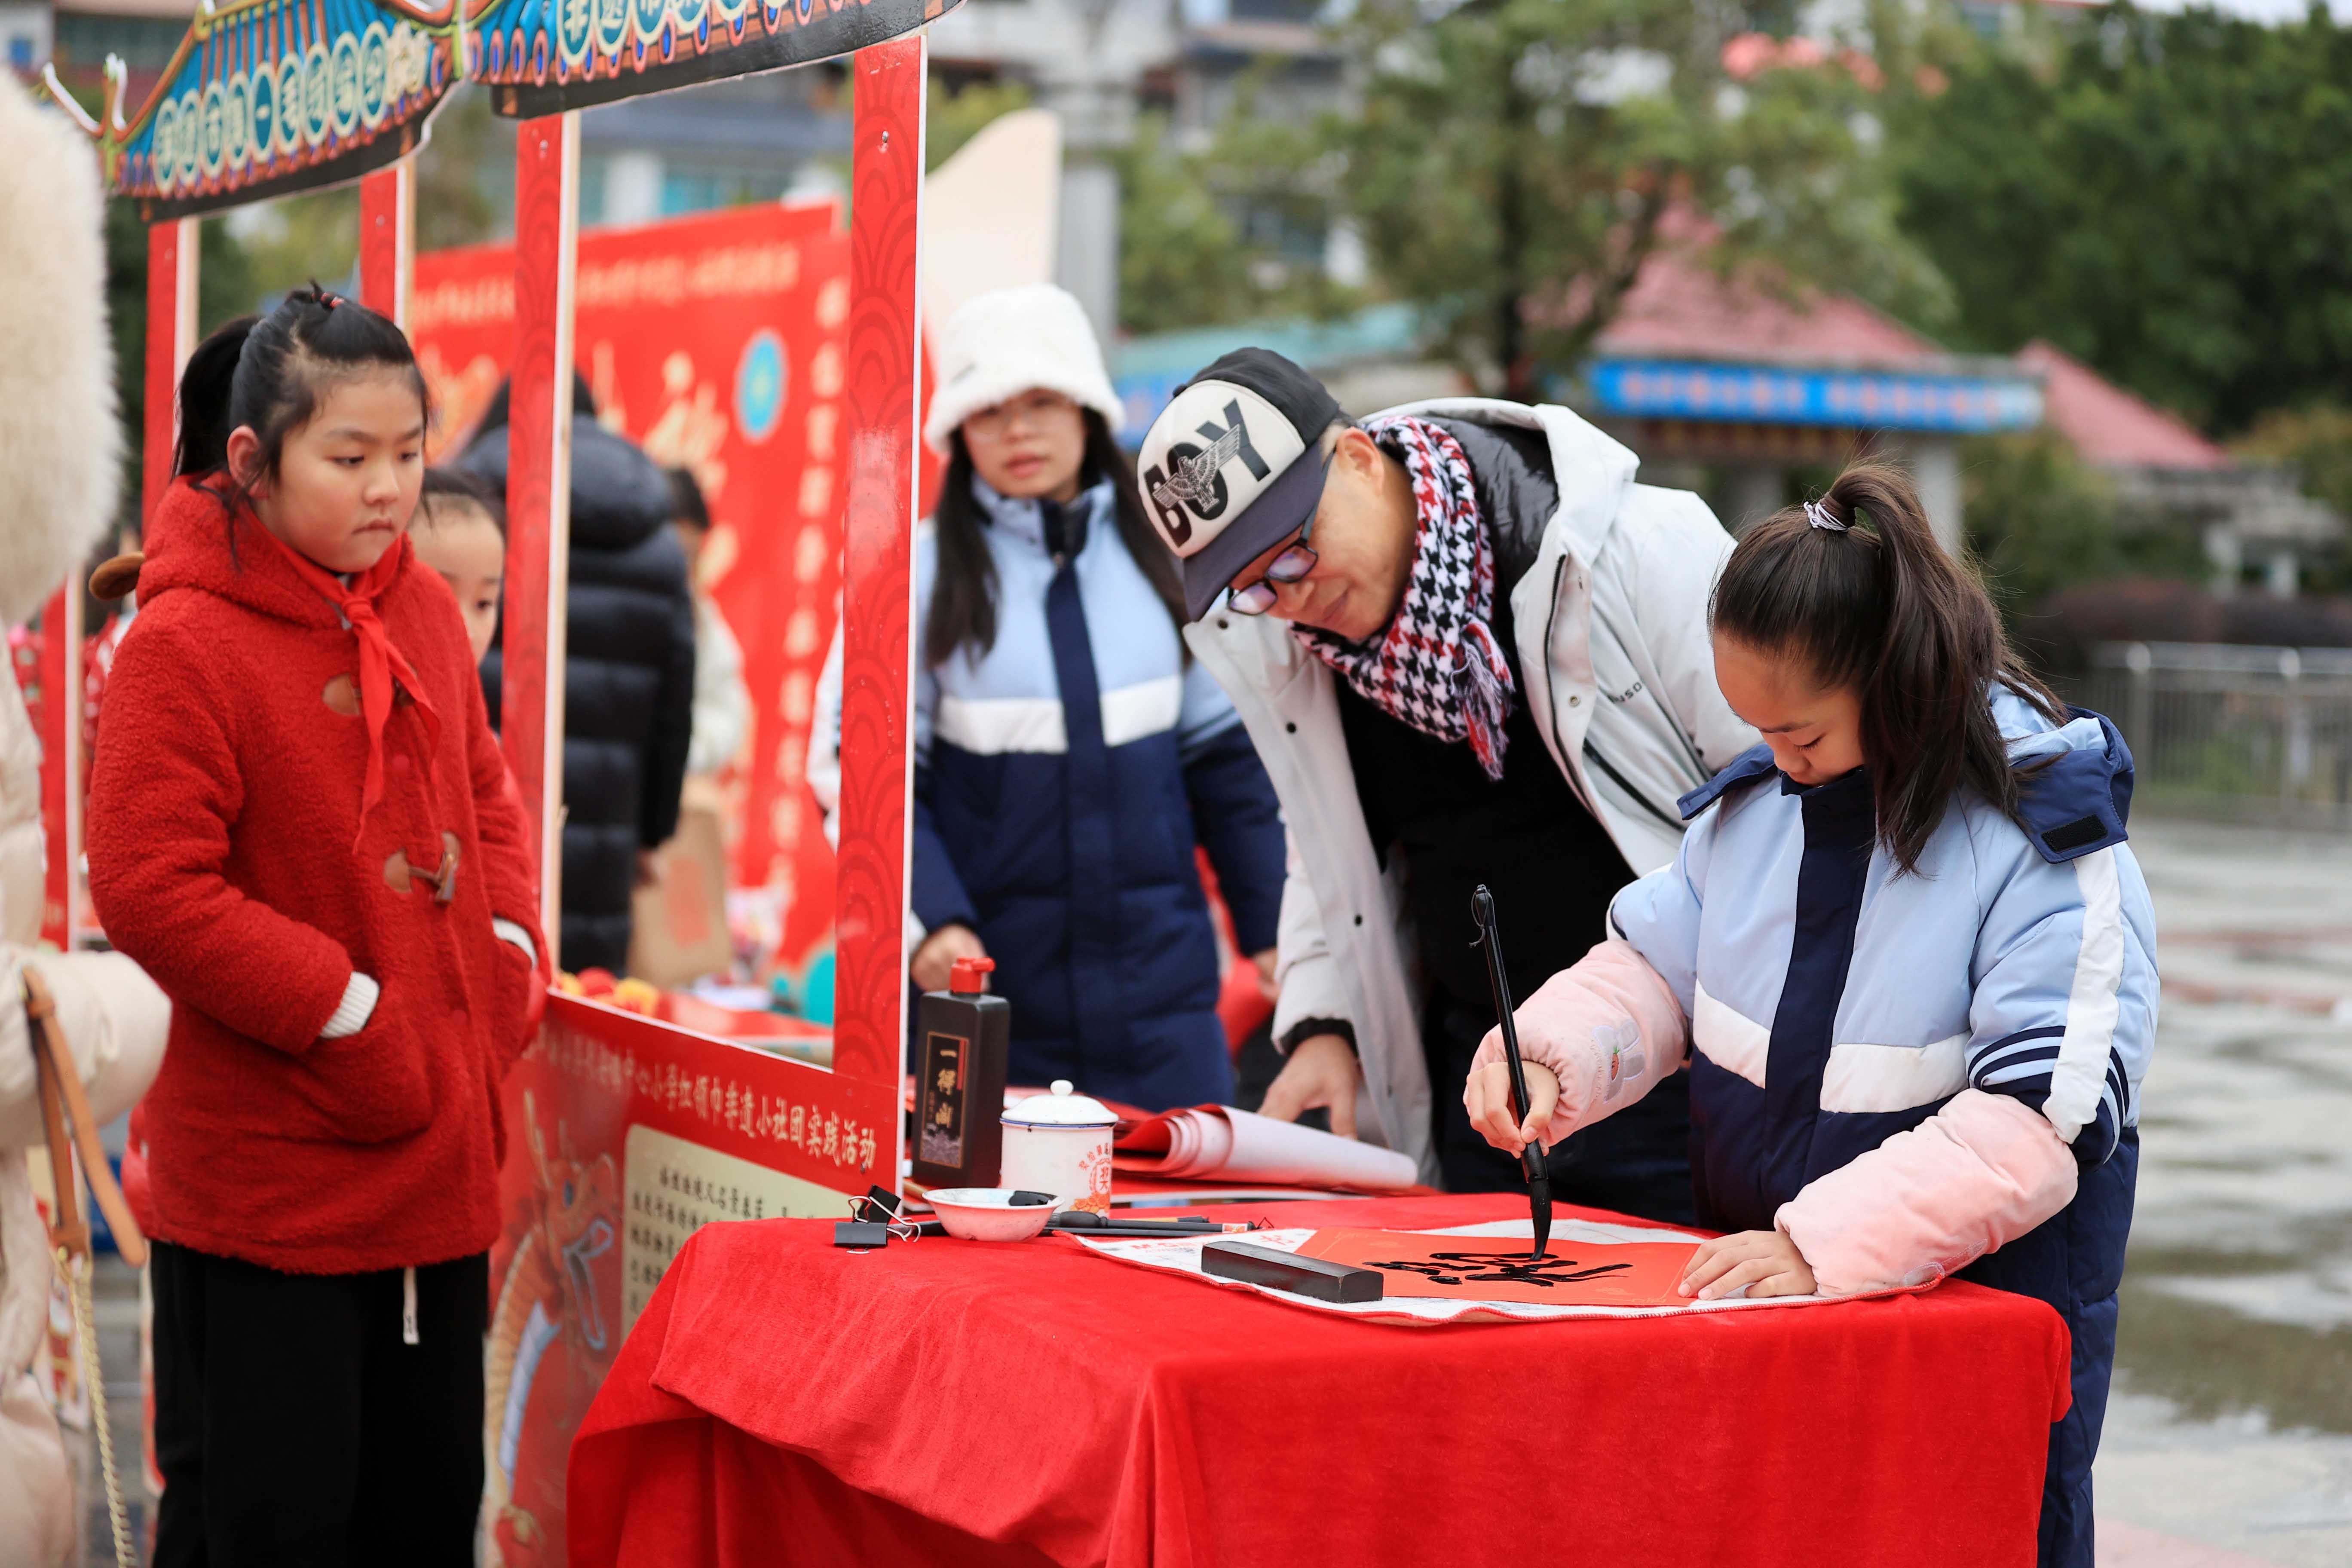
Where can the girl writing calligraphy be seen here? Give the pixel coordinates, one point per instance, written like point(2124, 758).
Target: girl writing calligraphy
point(1904, 950)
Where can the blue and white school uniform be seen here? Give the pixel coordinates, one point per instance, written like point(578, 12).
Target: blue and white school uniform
point(1834, 1003)
point(1063, 779)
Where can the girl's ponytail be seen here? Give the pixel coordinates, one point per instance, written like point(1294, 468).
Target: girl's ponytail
point(1857, 583)
point(206, 389)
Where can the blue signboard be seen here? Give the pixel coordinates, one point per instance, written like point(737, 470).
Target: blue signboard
point(1862, 399)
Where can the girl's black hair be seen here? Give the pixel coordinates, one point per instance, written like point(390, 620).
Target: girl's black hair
point(685, 502)
point(963, 595)
point(270, 373)
point(1881, 609)
point(457, 486)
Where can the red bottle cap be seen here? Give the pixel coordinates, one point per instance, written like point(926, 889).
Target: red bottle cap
point(968, 976)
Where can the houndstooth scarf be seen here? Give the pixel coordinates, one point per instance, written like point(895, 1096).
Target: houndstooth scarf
point(1438, 667)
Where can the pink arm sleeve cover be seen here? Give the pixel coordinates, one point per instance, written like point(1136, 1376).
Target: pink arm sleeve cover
point(1975, 1176)
point(1609, 1027)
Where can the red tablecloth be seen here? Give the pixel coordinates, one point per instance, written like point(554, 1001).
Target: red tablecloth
point(784, 1402)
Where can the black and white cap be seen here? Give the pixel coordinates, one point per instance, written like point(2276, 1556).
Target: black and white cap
point(1233, 466)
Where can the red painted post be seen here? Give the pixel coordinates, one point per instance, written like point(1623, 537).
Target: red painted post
point(539, 484)
point(387, 240)
point(60, 677)
point(885, 343)
point(170, 334)
point(172, 254)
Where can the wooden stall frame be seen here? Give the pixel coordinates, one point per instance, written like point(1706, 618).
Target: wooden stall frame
point(211, 149)
point(884, 385)
point(877, 632)
point(883, 392)
point(388, 240)
point(539, 484)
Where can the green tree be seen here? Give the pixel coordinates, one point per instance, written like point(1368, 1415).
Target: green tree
point(1206, 234)
point(2317, 441)
point(1514, 163)
point(2039, 519)
point(456, 173)
point(2162, 197)
point(223, 288)
point(957, 115)
point(1181, 260)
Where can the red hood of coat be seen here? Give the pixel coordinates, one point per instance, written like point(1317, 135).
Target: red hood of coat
point(188, 544)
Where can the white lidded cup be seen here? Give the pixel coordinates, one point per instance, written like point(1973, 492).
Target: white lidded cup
point(1060, 1144)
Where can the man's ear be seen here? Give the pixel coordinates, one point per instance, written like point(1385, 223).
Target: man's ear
point(1359, 452)
point(244, 463)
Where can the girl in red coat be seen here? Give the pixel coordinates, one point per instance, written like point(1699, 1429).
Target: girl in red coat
point(296, 825)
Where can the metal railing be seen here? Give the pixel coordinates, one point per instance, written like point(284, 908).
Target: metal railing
point(2215, 729)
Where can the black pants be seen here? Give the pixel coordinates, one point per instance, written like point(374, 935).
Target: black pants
point(293, 1425)
point(1636, 1161)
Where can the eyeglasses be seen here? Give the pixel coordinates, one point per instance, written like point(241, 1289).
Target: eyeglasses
point(1029, 410)
point(1291, 566)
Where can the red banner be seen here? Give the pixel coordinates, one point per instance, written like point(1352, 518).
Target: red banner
point(624, 1137)
point(716, 344)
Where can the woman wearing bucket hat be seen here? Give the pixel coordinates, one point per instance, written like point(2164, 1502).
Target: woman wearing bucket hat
point(1069, 756)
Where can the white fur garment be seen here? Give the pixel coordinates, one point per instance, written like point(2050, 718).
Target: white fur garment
point(60, 443)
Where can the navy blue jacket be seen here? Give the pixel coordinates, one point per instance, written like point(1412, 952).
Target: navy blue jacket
point(1062, 781)
point(628, 681)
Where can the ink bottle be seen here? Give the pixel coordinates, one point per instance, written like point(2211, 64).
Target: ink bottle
point(962, 1035)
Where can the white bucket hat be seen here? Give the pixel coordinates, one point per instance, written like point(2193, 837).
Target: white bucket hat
point(1008, 341)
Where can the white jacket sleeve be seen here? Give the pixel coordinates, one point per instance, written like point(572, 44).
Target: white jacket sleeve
point(115, 1021)
point(1675, 593)
point(824, 741)
point(2063, 1017)
point(1303, 966)
point(722, 704)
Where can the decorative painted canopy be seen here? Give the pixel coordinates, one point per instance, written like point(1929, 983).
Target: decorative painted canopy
point(540, 56)
point(268, 97)
point(265, 97)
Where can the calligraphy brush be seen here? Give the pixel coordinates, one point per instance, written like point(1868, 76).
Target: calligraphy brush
point(1533, 1162)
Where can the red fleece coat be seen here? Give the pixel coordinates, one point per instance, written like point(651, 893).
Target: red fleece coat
point(222, 812)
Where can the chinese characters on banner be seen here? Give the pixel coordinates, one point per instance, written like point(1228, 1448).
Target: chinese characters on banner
point(716, 344)
point(625, 1136)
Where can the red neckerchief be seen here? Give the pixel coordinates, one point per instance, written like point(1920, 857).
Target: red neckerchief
point(380, 662)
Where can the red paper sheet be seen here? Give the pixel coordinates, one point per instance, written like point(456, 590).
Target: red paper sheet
point(1498, 1269)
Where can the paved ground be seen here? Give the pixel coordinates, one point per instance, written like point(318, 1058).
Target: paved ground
point(2229, 1441)
point(2230, 1438)
point(115, 1304)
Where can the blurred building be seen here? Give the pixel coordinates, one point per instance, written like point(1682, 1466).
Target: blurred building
point(79, 34)
point(1100, 64)
point(1700, 373)
point(753, 139)
point(1728, 390)
point(2247, 515)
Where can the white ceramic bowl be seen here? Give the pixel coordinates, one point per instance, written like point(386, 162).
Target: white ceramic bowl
point(987, 1214)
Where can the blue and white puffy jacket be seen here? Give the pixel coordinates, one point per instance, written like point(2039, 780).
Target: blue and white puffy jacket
point(1062, 781)
point(1834, 1003)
